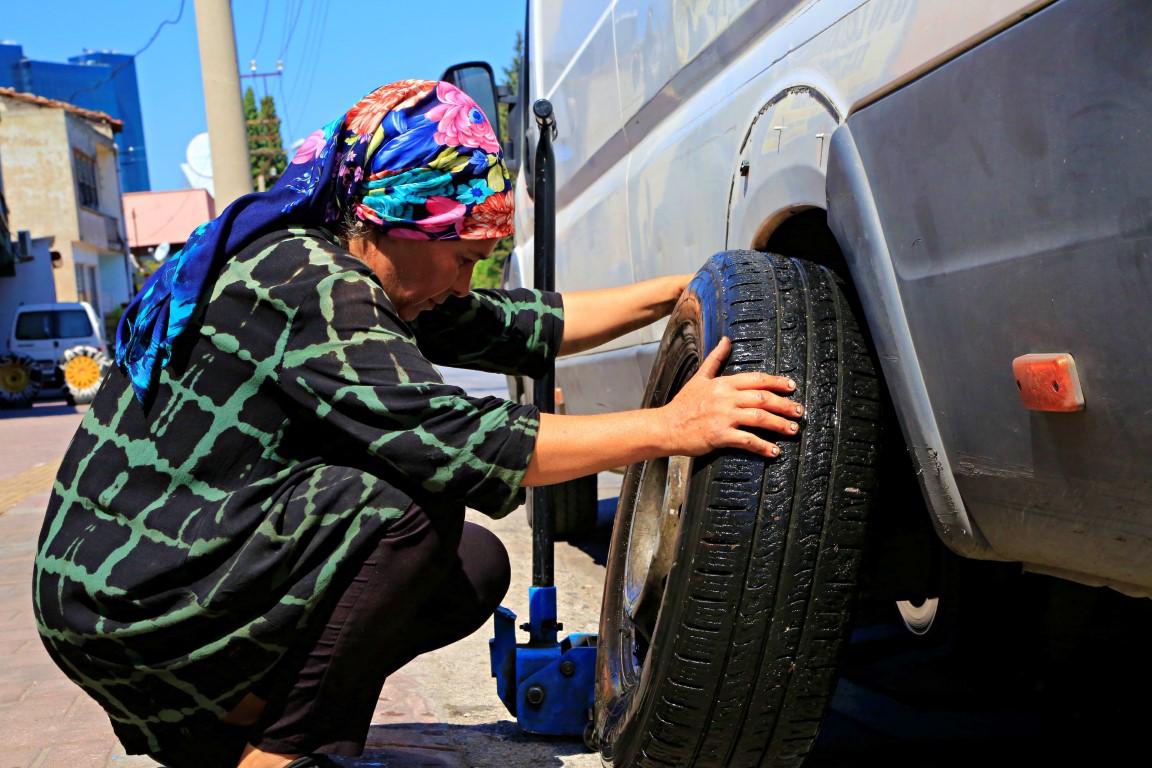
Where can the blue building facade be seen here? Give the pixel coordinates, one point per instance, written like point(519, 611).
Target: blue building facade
point(102, 81)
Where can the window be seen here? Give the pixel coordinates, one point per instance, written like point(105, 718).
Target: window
point(73, 324)
point(85, 166)
point(34, 326)
point(87, 286)
point(52, 324)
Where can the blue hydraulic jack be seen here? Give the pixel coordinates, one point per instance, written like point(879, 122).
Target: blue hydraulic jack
point(546, 683)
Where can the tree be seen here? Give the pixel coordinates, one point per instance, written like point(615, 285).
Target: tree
point(490, 271)
point(265, 146)
point(512, 80)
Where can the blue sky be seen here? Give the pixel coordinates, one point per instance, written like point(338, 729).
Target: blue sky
point(333, 52)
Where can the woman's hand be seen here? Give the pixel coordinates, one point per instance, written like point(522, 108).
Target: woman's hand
point(592, 318)
point(669, 288)
point(712, 412)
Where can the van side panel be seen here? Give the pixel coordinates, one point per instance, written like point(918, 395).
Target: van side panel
point(574, 66)
point(1011, 192)
point(657, 39)
point(647, 157)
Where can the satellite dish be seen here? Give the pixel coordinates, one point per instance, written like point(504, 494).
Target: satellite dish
point(161, 252)
point(198, 169)
point(199, 154)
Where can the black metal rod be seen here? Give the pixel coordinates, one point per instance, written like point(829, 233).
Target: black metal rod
point(544, 387)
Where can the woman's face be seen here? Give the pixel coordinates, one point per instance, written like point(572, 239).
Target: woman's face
point(419, 274)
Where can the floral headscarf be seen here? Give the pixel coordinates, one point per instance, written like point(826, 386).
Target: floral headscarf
point(416, 158)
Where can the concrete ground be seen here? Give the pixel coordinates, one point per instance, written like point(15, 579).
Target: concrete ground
point(440, 711)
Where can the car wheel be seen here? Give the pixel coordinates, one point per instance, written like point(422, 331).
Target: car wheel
point(83, 369)
point(575, 507)
point(732, 579)
point(20, 381)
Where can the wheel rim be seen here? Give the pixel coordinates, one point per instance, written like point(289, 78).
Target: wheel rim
point(82, 372)
point(661, 490)
point(652, 539)
point(14, 378)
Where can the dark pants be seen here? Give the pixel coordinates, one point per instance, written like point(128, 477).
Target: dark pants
point(433, 579)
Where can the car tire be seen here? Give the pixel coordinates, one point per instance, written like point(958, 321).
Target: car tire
point(20, 381)
point(731, 579)
point(575, 502)
point(575, 508)
point(82, 369)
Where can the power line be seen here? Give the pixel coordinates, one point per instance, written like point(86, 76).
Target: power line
point(306, 48)
point(117, 69)
point(156, 34)
point(287, 39)
point(320, 30)
point(264, 75)
point(260, 37)
point(284, 107)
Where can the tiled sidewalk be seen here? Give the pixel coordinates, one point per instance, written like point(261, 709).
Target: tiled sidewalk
point(45, 720)
point(30, 482)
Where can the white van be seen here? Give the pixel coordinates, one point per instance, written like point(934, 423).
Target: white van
point(44, 332)
point(935, 216)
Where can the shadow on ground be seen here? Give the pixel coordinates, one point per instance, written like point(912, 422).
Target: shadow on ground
point(48, 403)
point(438, 745)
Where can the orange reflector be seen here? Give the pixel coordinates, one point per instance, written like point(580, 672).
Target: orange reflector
point(1048, 382)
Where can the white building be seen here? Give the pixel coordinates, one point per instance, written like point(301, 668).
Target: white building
point(60, 176)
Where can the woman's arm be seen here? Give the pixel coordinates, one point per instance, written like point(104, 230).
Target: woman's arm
point(516, 331)
point(710, 412)
point(592, 318)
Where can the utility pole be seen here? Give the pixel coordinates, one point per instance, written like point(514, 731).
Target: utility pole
point(220, 71)
point(262, 75)
point(270, 155)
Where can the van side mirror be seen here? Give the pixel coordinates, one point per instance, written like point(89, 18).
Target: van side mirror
point(475, 78)
point(512, 148)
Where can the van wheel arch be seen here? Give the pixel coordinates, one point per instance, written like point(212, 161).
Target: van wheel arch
point(805, 234)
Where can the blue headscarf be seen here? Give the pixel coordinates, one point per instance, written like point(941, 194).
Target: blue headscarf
point(417, 158)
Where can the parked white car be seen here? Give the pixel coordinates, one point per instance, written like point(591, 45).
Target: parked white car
point(65, 342)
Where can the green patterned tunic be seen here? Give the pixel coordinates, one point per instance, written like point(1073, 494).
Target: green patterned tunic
point(187, 543)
